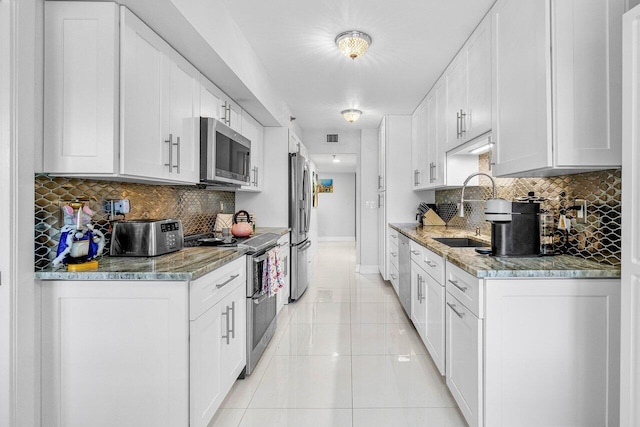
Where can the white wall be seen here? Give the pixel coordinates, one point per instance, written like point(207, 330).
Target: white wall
point(367, 208)
point(337, 211)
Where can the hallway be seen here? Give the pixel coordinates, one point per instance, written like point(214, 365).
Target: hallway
point(345, 354)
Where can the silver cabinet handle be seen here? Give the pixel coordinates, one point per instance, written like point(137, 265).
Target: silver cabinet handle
point(229, 114)
point(457, 125)
point(227, 281)
point(430, 264)
point(492, 145)
point(170, 142)
point(419, 288)
point(452, 306)
point(393, 276)
point(177, 165)
point(393, 236)
point(394, 254)
point(463, 128)
point(233, 319)
point(455, 283)
point(415, 252)
point(379, 182)
point(226, 313)
point(422, 287)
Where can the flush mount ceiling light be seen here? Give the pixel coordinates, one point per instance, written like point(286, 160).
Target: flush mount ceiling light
point(351, 115)
point(353, 44)
point(335, 160)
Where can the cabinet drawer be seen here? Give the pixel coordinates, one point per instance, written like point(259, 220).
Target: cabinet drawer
point(433, 264)
point(206, 291)
point(393, 255)
point(416, 252)
point(393, 236)
point(466, 288)
point(394, 276)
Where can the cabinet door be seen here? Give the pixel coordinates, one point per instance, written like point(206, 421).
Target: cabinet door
point(252, 130)
point(180, 99)
point(478, 52)
point(456, 80)
point(206, 385)
point(431, 153)
point(441, 134)
point(418, 303)
point(81, 88)
point(521, 90)
point(419, 146)
point(115, 353)
point(464, 360)
point(210, 99)
point(233, 324)
point(587, 57)
point(144, 147)
point(382, 154)
point(382, 235)
point(434, 293)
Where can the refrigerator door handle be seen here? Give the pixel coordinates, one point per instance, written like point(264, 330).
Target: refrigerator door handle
point(306, 245)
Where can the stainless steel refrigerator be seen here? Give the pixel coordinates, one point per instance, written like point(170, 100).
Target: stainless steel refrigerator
point(299, 221)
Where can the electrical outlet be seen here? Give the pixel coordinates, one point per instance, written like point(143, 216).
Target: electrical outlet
point(116, 206)
point(581, 211)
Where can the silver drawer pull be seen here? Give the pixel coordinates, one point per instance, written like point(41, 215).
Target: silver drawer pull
point(415, 252)
point(430, 264)
point(393, 276)
point(218, 286)
point(455, 283)
point(393, 254)
point(452, 306)
point(393, 236)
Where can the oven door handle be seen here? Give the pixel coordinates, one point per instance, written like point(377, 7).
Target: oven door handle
point(262, 257)
point(260, 299)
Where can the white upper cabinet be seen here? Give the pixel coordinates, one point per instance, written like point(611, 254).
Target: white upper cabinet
point(210, 99)
point(119, 101)
point(419, 146)
point(254, 131)
point(556, 86)
point(161, 93)
point(81, 88)
point(468, 80)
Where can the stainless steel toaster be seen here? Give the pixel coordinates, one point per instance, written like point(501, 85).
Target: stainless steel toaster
point(146, 237)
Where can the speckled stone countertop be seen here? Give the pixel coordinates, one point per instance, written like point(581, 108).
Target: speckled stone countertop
point(560, 266)
point(186, 264)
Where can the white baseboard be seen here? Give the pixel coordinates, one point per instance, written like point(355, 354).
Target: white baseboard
point(367, 269)
point(337, 239)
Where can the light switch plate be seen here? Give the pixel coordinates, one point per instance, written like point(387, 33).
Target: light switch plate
point(581, 211)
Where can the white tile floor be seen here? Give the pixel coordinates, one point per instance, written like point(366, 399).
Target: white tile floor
point(345, 354)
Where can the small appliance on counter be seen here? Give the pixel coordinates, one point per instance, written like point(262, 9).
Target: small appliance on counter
point(146, 237)
point(515, 230)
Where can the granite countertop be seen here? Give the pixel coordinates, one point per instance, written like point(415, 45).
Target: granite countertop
point(185, 264)
point(560, 266)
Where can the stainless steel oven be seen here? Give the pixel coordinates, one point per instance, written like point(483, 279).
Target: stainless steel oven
point(261, 308)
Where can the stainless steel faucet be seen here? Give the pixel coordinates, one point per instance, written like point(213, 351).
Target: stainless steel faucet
point(464, 185)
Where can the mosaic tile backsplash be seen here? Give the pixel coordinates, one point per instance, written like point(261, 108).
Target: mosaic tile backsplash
point(196, 208)
point(598, 239)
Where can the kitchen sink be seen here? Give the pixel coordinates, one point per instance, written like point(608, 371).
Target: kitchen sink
point(460, 242)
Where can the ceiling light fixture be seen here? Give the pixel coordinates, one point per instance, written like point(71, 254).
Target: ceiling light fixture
point(353, 44)
point(335, 160)
point(351, 115)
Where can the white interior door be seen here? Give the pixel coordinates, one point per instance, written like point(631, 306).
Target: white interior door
point(630, 338)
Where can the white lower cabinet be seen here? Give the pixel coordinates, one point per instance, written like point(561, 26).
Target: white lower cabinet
point(434, 337)
point(464, 360)
point(418, 299)
point(533, 351)
point(141, 353)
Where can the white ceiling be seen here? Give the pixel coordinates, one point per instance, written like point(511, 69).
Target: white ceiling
point(413, 41)
point(325, 164)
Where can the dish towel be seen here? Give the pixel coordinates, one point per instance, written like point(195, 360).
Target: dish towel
point(272, 277)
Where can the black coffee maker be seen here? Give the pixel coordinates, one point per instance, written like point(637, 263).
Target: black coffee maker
point(515, 228)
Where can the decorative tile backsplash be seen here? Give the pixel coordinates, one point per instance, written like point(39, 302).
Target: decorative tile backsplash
point(598, 239)
point(196, 208)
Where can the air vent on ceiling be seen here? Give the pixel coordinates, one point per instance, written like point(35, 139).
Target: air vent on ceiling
point(332, 138)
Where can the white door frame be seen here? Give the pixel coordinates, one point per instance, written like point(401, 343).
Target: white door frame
point(6, 341)
point(20, 111)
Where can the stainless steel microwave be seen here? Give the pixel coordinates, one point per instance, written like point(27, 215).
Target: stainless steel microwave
point(225, 155)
